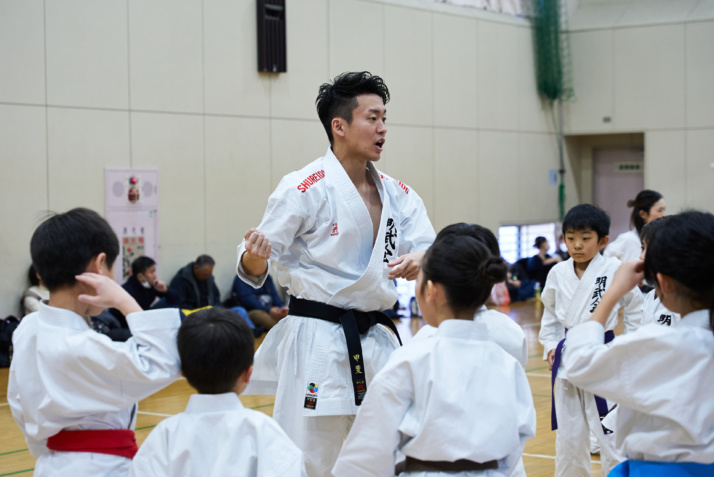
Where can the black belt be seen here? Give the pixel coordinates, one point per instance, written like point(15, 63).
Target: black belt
point(354, 323)
point(462, 465)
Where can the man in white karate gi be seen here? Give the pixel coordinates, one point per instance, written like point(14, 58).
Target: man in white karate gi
point(337, 232)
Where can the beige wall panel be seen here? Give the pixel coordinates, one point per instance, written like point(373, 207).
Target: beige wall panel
point(165, 53)
point(356, 37)
point(224, 253)
point(23, 197)
point(665, 167)
point(498, 76)
point(650, 12)
point(499, 180)
point(649, 77)
point(700, 74)
point(409, 157)
point(456, 177)
point(590, 16)
point(408, 65)
point(591, 54)
point(233, 84)
point(173, 144)
point(294, 144)
point(538, 153)
point(534, 115)
point(700, 169)
point(703, 11)
point(87, 53)
point(22, 51)
point(455, 71)
point(81, 144)
point(293, 93)
point(237, 176)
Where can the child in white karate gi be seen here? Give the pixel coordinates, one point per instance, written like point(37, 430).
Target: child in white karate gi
point(455, 402)
point(662, 378)
point(572, 291)
point(216, 435)
point(73, 391)
point(654, 311)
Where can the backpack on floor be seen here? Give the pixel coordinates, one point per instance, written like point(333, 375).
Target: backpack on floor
point(7, 328)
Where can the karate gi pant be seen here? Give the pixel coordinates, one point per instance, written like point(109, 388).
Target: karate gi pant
point(320, 438)
point(577, 416)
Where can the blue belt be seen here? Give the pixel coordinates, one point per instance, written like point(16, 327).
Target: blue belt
point(643, 468)
point(602, 409)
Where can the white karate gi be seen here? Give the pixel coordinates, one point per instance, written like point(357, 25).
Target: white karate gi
point(502, 330)
point(217, 436)
point(567, 302)
point(456, 395)
point(662, 379)
point(66, 376)
point(626, 247)
point(656, 312)
point(322, 250)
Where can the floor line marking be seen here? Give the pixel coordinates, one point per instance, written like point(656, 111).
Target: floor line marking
point(536, 369)
point(18, 472)
point(155, 414)
point(539, 375)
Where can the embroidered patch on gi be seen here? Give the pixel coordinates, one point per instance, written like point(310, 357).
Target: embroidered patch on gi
point(390, 241)
point(311, 396)
point(334, 230)
point(665, 320)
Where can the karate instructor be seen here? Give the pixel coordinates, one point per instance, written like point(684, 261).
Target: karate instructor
point(338, 232)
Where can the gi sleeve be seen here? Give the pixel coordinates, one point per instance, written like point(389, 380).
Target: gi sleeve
point(633, 307)
point(372, 443)
point(286, 217)
point(416, 229)
point(551, 329)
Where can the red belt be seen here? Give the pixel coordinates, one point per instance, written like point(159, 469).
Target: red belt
point(121, 442)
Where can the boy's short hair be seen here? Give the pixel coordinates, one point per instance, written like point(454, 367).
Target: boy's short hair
point(215, 346)
point(650, 229)
point(64, 244)
point(339, 98)
point(141, 264)
point(587, 216)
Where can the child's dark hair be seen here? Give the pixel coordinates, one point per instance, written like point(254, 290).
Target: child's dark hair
point(650, 229)
point(215, 346)
point(478, 232)
point(683, 250)
point(642, 203)
point(32, 276)
point(64, 244)
point(587, 216)
point(539, 241)
point(141, 264)
point(465, 267)
point(339, 98)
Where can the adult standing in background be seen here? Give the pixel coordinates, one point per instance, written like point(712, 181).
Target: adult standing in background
point(647, 206)
point(338, 232)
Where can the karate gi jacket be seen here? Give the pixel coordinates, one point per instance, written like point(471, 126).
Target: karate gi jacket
point(217, 436)
point(66, 376)
point(663, 381)
point(456, 395)
point(322, 250)
point(569, 300)
point(626, 247)
point(656, 312)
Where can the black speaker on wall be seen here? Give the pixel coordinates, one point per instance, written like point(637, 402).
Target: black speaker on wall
point(272, 42)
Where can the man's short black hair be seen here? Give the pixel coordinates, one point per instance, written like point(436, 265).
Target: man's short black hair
point(204, 260)
point(215, 346)
point(339, 98)
point(142, 264)
point(64, 244)
point(587, 216)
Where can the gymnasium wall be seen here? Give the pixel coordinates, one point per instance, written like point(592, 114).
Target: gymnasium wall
point(173, 84)
point(649, 67)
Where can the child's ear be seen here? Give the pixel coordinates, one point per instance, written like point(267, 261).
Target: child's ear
point(245, 377)
point(604, 241)
point(96, 263)
point(666, 284)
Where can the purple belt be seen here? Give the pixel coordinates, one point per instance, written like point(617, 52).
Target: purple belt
point(600, 402)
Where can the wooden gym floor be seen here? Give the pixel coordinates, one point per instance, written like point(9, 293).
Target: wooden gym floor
point(538, 456)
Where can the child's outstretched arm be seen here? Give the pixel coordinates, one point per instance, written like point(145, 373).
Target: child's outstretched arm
point(109, 294)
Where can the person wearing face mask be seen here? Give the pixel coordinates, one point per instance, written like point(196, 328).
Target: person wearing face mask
point(145, 286)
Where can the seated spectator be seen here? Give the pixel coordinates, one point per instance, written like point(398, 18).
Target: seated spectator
point(265, 308)
point(37, 292)
point(520, 286)
point(540, 264)
point(144, 285)
point(194, 287)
